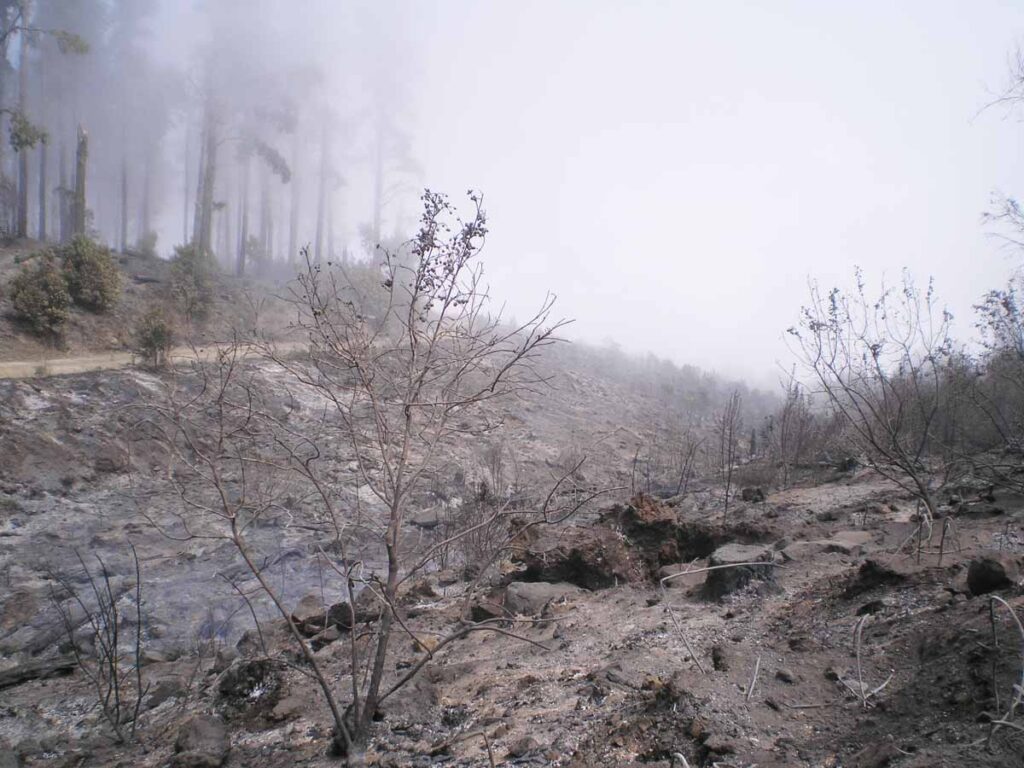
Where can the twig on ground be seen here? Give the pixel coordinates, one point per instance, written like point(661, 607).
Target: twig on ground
point(718, 567)
point(753, 679)
point(686, 641)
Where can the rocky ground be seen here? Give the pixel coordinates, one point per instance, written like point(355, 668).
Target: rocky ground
point(738, 666)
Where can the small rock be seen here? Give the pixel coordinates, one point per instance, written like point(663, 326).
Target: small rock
point(721, 658)
point(753, 495)
point(524, 746)
point(323, 639)
point(202, 743)
point(489, 606)
point(425, 644)
point(167, 688)
point(447, 577)
point(288, 707)
point(785, 676)
point(148, 657)
point(530, 598)
point(718, 744)
point(310, 615)
point(222, 660)
point(802, 550)
point(427, 520)
point(676, 580)
point(876, 755)
point(849, 542)
point(991, 572)
point(9, 759)
point(110, 459)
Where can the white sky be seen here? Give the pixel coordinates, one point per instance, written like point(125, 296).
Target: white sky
point(676, 171)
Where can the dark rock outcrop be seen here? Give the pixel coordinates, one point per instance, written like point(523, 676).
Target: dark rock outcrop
point(733, 569)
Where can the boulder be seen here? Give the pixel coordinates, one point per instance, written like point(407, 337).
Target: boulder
point(289, 707)
point(803, 550)
point(110, 458)
point(752, 495)
point(724, 580)
point(428, 519)
point(202, 743)
point(677, 581)
point(489, 606)
point(991, 572)
point(849, 542)
point(325, 638)
point(524, 746)
point(310, 615)
point(166, 688)
point(530, 598)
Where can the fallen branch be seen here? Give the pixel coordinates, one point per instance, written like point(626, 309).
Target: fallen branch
point(718, 567)
point(753, 679)
point(686, 642)
point(1018, 687)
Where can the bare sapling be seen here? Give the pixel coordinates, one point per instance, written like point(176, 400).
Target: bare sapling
point(107, 648)
point(1007, 718)
point(728, 424)
point(881, 364)
point(390, 384)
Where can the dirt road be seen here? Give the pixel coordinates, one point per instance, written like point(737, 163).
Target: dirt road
point(109, 361)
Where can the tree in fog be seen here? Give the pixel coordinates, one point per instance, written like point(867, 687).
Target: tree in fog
point(881, 362)
point(728, 424)
point(399, 386)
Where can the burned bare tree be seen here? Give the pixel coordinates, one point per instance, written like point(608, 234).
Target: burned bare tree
point(995, 387)
point(881, 364)
point(396, 380)
point(106, 644)
point(728, 423)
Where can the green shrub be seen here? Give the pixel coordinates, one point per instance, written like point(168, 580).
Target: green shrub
point(154, 337)
point(147, 245)
point(40, 295)
point(94, 280)
point(191, 283)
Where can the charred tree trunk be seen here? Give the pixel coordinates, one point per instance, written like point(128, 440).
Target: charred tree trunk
point(64, 198)
point(202, 234)
point(293, 219)
point(42, 191)
point(188, 185)
point(145, 225)
point(22, 226)
point(81, 157)
point(124, 205)
point(321, 197)
point(200, 175)
point(331, 254)
point(266, 222)
point(378, 186)
point(243, 233)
